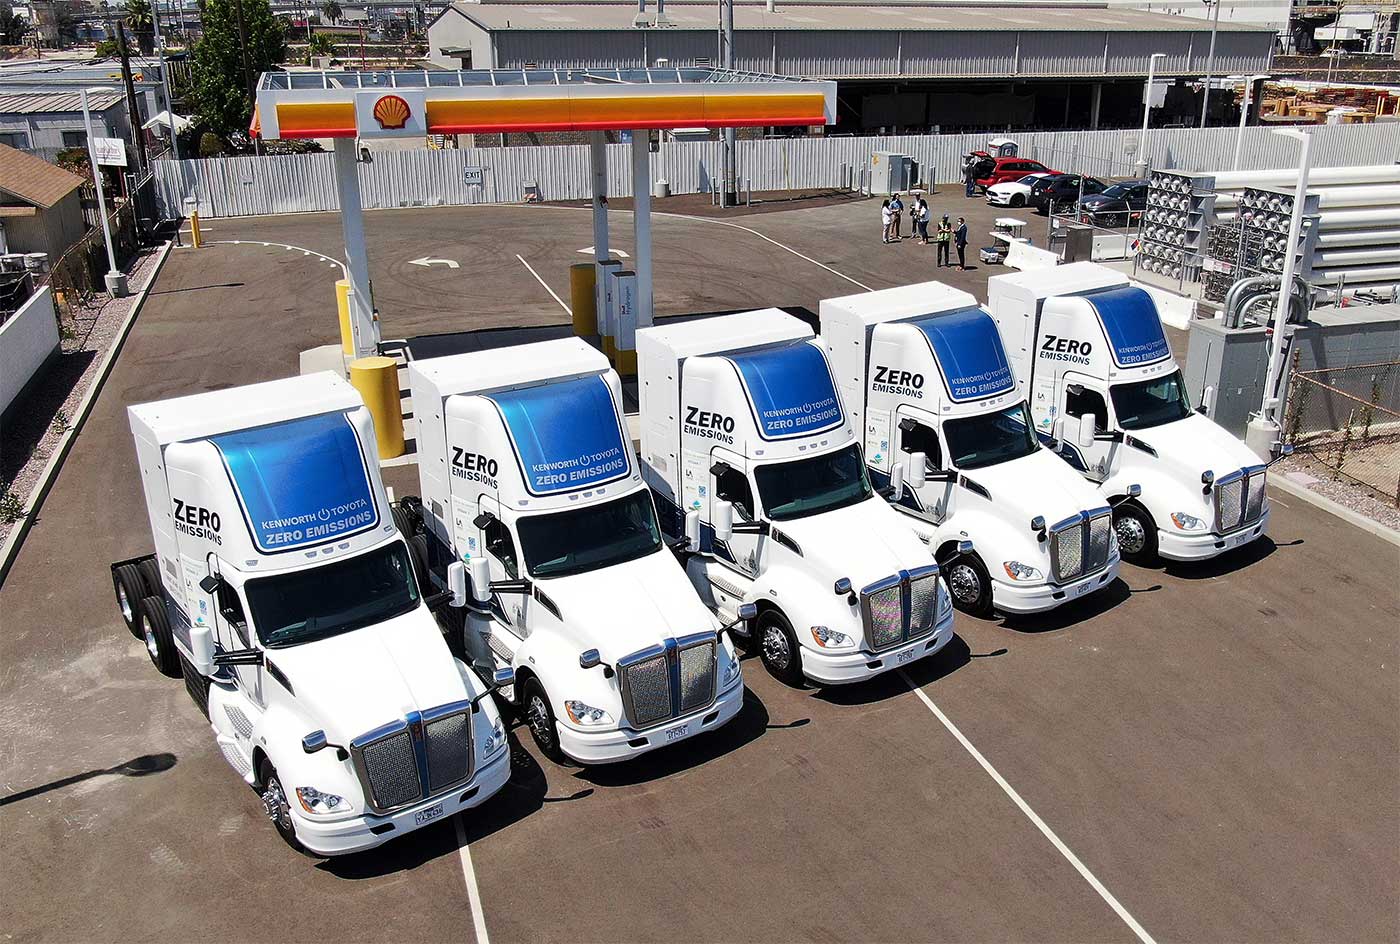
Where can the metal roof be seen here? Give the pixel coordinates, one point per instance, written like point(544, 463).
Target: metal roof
point(34, 180)
point(35, 103)
point(974, 17)
point(507, 78)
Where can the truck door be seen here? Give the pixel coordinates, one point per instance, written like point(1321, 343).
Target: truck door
point(232, 632)
point(1080, 395)
point(504, 561)
point(916, 432)
point(729, 481)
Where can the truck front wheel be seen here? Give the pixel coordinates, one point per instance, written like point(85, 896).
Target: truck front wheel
point(540, 717)
point(1137, 534)
point(276, 804)
point(160, 642)
point(778, 648)
point(970, 585)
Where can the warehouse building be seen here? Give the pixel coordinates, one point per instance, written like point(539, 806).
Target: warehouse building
point(50, 121)
point(909, 67)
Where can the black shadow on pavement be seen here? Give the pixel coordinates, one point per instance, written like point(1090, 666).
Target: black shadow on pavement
point(1226, 563)
point(28, 419)
point(1095, 604)
point(136, 767)
point(922, 672)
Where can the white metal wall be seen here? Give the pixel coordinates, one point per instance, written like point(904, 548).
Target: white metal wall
point(248, 186)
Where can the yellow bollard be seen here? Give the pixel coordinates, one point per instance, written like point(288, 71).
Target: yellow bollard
point(377, 379)
point(342, 304)
point(582, 277)
point(626, 363)
point(195, 236)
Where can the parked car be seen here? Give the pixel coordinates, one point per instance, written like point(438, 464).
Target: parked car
point(1011, 168)
point(1059, 192)
point(1116, 206)
point(1013, 193)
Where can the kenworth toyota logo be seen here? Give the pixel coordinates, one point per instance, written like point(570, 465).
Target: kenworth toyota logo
point(392, 112)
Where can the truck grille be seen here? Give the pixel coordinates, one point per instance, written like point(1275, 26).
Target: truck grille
point(432, 748)
point(1239, 499)
point(900, 608)
point(669, 680)
point(1080, 545)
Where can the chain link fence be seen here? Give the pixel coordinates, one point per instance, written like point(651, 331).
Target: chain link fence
point(1347, 419)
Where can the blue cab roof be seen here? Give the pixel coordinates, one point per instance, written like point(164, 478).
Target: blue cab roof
point(1130, 321)
point(969, 352)
point(566, 435)
point(790, 390)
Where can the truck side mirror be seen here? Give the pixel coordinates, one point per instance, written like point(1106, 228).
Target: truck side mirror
point(723, 514)
point(897, 481)
point(1038, 526)
point(692, 531)
point(588, 658)
point(211, 583)
point(1084, 435)
point(1207, 398)
point(746, 612)
point(503, 678)
point(918, 470)
point(457, 583)
point(202, 648)
point(315, 742)
point(481, 580)
point(842, 586)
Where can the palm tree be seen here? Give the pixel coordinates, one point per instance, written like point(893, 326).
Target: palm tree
point(320, 44)
point(332, 11)
point(138, 18)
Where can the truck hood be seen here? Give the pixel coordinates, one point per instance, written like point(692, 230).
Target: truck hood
point(1038, 484)
point(1192, 445)
point(865, 542)
point(628, 607)
point(355, 682)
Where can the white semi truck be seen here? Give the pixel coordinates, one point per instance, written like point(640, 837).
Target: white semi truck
point(531, 495)
point(753, 459)
point(1090, 355)
point(948, 435)
point(282, 592)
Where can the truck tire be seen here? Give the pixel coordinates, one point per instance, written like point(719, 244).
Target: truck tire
point(778, 648)
point(404, 519)
point(277, 804)
point(418, 548)
point(130, 591)
point(1137, 534)
point(970, 585)
point(150, 577)
point(197, 686)
point(539, 717)
point(160, 642)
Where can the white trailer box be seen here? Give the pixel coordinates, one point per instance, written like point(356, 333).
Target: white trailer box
point(282, 592)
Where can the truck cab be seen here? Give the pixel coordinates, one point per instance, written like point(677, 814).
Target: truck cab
point(949, 438)
point(1091, 357)
point(282, 592)
point(531, 493)
point(753, 460)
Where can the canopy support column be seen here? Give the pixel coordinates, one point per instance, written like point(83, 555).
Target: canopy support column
point(641, 222)
point(352, 225)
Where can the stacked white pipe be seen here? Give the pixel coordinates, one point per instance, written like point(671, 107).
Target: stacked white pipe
point(1358, 245)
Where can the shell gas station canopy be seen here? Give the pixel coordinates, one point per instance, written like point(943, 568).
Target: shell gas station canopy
point(350, 104)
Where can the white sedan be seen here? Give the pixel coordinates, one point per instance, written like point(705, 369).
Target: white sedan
point(1013, 193)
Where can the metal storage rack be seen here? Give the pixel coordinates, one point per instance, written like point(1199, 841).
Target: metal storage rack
point(1173, 229)
point(1264, 217)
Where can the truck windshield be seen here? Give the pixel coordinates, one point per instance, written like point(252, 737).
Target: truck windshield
point(811, 486)
point(979, 441)
point(332, 598)
point(1149, 403)
point(584, 539)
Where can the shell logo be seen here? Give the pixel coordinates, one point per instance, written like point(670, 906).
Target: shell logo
point(392, 112)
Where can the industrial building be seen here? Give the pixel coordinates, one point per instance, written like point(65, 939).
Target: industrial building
point(49, 121)
point(900, 67)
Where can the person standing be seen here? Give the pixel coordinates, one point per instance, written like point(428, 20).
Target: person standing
point(885, 221)
point(970, 178)
point(921, 215)
point(944, 237)
point(897, 210)
point(960, 240)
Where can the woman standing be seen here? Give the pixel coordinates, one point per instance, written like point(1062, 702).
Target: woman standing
point(887, 221)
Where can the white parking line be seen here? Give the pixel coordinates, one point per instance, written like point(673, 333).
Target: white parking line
point(569, 311)
point(258, 242)
point(464, 851)
point(1065, 851)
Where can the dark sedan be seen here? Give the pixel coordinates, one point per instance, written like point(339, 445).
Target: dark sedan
point(1057, 193)
point(1119, 205)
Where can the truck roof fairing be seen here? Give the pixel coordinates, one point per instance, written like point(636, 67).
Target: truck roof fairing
point(1131, 324)
point(969, 352)
point(790, 390)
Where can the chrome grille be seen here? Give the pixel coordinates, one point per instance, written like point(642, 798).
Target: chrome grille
point(409, 760)
point(1080, 545)
point(392, 767)
point(669, 680)
point(900, 608)
point(1239, 499)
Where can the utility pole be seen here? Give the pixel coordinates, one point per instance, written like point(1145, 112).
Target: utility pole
point(243, 56)
point(731, 190)
point(165, 79)
point(132, 111)
point(1210, 59)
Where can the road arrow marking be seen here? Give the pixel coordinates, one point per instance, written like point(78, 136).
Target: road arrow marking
point(588, 251)
point(426, 261)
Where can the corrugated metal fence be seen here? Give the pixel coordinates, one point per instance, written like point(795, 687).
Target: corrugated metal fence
point(250, 186)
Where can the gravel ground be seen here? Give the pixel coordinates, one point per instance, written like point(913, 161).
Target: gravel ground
point(1304, 470)
point(50, 405)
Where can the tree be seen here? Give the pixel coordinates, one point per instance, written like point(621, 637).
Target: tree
point(138, 20)
point(105, 49)
point(224, 70)
point(12, 26)
point(332, 11)
point(320, 44)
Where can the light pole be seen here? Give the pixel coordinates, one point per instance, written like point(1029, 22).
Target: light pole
point(165, 78)
point(731, 190)
point(1210, 59)
point(116, 281)
point(1249, 81)
point(1262, 433)
point(1143, 159)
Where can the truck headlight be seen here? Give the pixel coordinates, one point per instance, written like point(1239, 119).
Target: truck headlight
point(586, 715)
point(1185, 522)
point(317, 802)
point(944, 603)
point(495, 741)
point(830, 638)
point(731, 671)
point(1021, 572)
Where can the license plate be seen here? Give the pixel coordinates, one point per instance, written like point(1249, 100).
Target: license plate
point(1080, 590)
point(1238, 539)
point(903, 657)
point(428, 815)
point(675, 734)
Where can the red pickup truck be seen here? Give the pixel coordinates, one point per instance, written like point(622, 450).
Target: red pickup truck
point(1011, 168)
